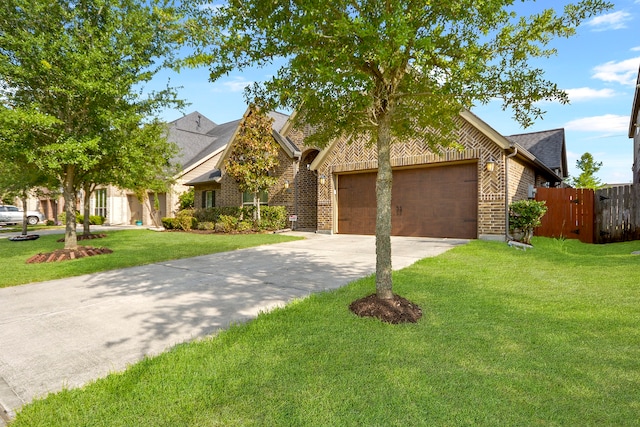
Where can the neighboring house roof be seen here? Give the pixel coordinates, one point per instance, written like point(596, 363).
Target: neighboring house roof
point(198, 139)
point(547, 146)
point(220, 137)
point(212, 176)
point(279, 122)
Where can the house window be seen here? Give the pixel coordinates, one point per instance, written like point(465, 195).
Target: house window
point(101, 202)
point(247, 198)
point(208, 199)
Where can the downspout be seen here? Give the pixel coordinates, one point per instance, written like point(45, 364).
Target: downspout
point(506, 190)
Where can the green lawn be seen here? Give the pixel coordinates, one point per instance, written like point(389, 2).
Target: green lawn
point(549, 337)
point(130, 248)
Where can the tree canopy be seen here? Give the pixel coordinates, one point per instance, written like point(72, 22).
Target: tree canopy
point(387, 69)
point(253, 156)
point(589, 168)
point(78, 67)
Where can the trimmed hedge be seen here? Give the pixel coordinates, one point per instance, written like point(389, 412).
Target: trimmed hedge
point(93, 219)
point(228, 219)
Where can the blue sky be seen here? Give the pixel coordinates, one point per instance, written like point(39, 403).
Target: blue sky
point(598, 68)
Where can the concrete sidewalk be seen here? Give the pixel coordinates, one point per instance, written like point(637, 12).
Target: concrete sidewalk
point(65, 333)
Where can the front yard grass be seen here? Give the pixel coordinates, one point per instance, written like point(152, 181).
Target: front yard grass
point(130, 248)
point(547, 337)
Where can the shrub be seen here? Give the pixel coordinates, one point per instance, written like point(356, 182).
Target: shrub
point(93, 219)
point(525, 215)
point(226, 223)
point(244, 226)
point(168, 223)
point(213, 214)
point(185, 220)
point(50, 222)
point(273, 218)
point(207, 225)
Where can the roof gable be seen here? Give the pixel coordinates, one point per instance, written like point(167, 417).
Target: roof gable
point(547, 146)
point(193, 122)
point(279, 121)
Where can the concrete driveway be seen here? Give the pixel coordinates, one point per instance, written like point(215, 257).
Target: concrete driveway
point(65, 333)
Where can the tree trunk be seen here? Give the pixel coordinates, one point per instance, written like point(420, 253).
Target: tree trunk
point(384, 284)
point(69, 194)
point(86, 223)
point(256, 205)
point(154, 211)
point(23, 198)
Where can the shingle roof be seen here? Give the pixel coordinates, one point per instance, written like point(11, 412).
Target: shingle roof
point(548, 147)
point(212, 175)
point(198, 137)
point(279, 120)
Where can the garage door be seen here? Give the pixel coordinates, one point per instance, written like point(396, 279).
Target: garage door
point(431, 202)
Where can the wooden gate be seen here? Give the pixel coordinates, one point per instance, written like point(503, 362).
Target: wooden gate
point(569, 215)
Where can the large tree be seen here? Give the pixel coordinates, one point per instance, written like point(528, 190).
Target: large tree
point(387, 69)
point(81, 65)
point(589, 168)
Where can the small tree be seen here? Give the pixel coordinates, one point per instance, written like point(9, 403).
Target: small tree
point(254, 155)
point(525, 215)
point(186, 200)
point(589, 168)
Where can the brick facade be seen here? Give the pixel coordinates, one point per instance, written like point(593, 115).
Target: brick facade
point(314, 200)
point(357, 155)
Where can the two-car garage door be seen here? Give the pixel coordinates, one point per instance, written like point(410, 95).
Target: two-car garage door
point(430, 202)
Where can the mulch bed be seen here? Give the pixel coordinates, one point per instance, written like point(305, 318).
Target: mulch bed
point(396, 310)
point(68, 254)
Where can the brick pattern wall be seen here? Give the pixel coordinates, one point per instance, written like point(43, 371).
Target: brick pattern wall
point(285, 171)
point(230, 195)
point(520, 178)
point(306, 187)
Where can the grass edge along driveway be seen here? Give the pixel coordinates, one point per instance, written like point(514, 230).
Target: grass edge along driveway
point(544, 337)
point(130, 248)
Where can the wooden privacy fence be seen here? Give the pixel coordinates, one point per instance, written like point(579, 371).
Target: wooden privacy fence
point(603, 216)
point(569, 213)
point(617, 214)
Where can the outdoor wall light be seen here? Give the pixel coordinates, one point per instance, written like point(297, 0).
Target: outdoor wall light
point(323, 179)
point(286, 184)
point(490, 165)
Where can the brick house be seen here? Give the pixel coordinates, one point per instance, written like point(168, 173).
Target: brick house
point(456, 193)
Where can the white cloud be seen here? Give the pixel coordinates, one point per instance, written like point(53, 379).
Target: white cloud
point(623, 72)
point(587, 94)
point(609, 123)
point(635, 49)
point(236, 84)
point(610, 21)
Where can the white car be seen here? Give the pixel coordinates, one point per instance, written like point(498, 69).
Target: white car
point(12, 215)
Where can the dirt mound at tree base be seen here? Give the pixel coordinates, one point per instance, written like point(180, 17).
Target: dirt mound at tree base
point(396, 310)
point(67, 254)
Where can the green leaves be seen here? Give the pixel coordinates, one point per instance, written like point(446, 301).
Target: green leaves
point(254, 154)
point(589, 168)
